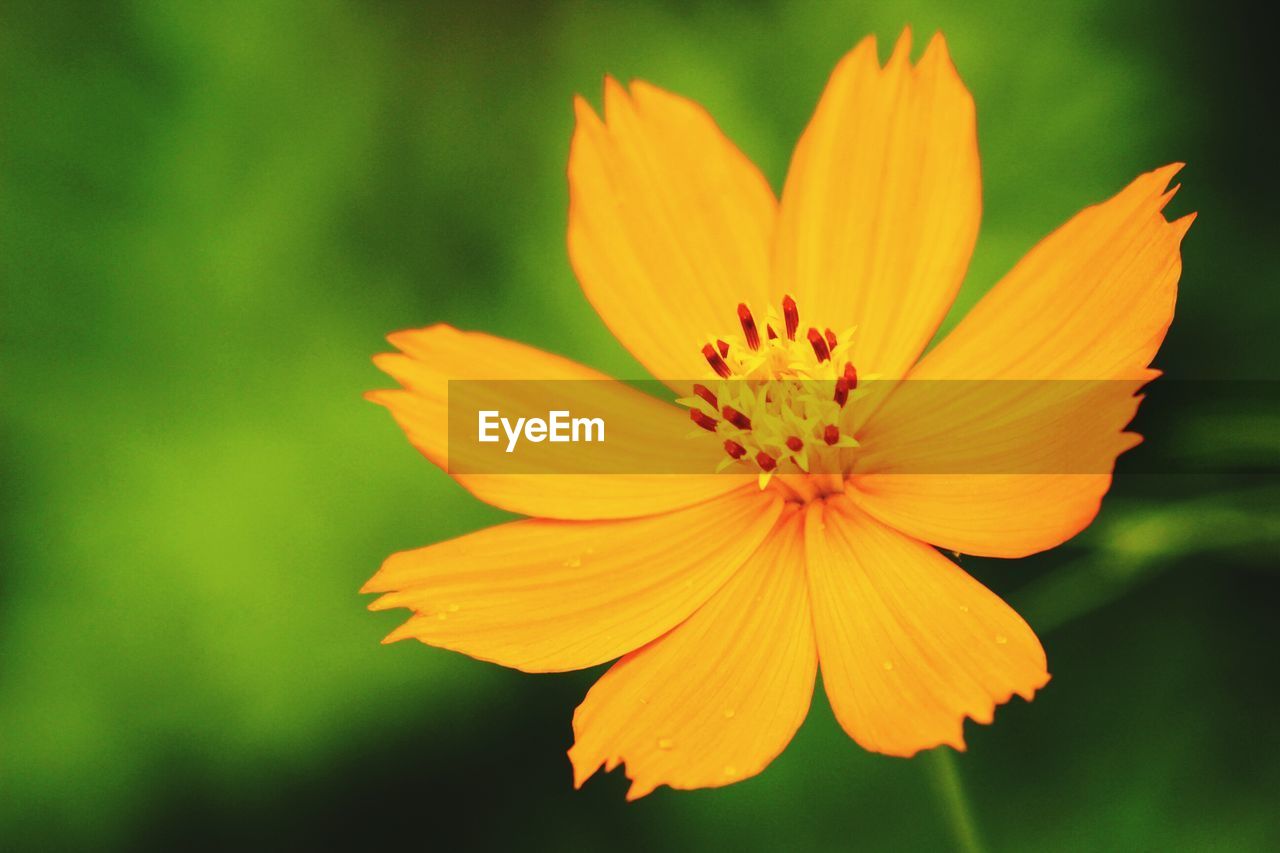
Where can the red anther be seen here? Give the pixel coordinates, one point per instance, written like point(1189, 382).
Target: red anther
point(792, 315)
point(819, 345)
point(748, 326)
point(773, 336)
point(736, 418)
point(723, 347)
point(842, 391)
point(717, 363)
point(702, 419)
point(737, 451)
point(831, 338)
point(795, 444)
point(765, 461)
point(705, 393)
point(851, 375)
point(831, 434)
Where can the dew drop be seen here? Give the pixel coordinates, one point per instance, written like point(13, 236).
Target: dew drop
point(1001, 639)
point(964, 608)
point(888, 665)
point(728, 713)
point(442, 616)
point(453, 608)
point(573, 562)
point(665, 743)
point(730, 770)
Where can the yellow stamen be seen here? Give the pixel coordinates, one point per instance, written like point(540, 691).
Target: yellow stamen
point(782, 404)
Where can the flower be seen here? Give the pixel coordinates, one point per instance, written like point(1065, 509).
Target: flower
point(723, 596)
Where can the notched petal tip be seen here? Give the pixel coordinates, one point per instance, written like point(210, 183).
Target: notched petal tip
point(638, 790)
point(935, 51)
point(936, 60)
point(1030, 693)
point(404, 338)
point(1130, 440)
point(385, 601)
point(582, 769)
point(581, 105)
point(981, 716)
point(1159, 180)
point(585, 767)
point(901, 49)
point(585, 121)
point(938, 44)
point(398, 365)
point(617, 101)
point(384, 580)
point(403, 632)
point(865, 52)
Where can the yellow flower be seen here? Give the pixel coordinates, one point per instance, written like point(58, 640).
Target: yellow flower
point(721, 597)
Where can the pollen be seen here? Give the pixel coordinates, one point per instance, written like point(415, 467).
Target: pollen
point(780, 403)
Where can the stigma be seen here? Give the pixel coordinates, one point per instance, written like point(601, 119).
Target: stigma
point(779, 397)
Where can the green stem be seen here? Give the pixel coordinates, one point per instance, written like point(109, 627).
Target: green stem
point(955, 805)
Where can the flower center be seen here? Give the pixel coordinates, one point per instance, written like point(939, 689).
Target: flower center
point(781, 403)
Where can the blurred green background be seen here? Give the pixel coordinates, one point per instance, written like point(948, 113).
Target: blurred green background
point(211, 213)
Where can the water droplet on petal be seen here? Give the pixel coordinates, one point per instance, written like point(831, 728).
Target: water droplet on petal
point(1001, 639)
point(730, 770)
point(573, 562)
point(728, 713)
point(888, 665)
point(665, 743)
point(442, 615)
point(964, 608)
point(453, 608)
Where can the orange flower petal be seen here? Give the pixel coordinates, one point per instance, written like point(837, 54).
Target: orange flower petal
point(1090, 302)
point(909, 643)
point(881, 206)
point(715, 700)
point(647, 435)
point(670, 225)
point(1093, 300)
point(546, 596)
point(1001, 469)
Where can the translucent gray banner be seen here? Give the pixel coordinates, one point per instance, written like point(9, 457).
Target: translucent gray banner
point(747, 427)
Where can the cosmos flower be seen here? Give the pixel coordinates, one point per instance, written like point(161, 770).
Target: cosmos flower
point(721, 596)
